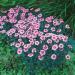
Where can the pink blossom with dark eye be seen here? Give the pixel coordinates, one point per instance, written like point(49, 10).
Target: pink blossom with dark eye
point(33, 50)
point(48, 34)
point(24, 10)
point(37, 42)
point(39, 15)
point(70, 46)
point(35, 32)
point(61, 20)
point(1, 27)
point(40, 57)
point(4, 17)
point(48, 19)
point(12, 30)
point(54, 37)
point(17, 45)
point(19, 51)
point(23, 14)
point(67, 57)
point(31, 41)
point(65, 38)
point(53, 56)
point(10, 15)
point(22, 43)
point(54, 47)
point(52, 29)
point(25, 46)
point(16, 34)
point(11, 10)
point(25, 49)
point(12, 20)
point(45, 47)
point(30, 55)
point(57, 40)
point(38, 9)
point(21, 22)
point(3, 31)
point(42, 52)
point(42, 37)
point(21, 31)
point(40, 33)
point(36, 26)
point(56, 22)
point(45, 30)
point(41, 19)
point(49, 41)
point(61, 45)
point(59, 30)
point(47, 25)
point(60, 36)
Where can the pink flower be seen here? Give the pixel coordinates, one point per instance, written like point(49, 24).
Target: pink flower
point(57, 40)
point(17, 45)
point(52, 29)
point(59, 30)
point(60, 37)
point(55, 47)
point(45, 30)
point(30, 55)
point(48, 34)
point(48, 19)
point(61, 45)
point(49, 41)
point(53, 56)
point(3, 31)
point(45, 47)
point(36, 26)
point(37, 42)
point(38, 9)
point(11, 31)
point(25, 46)
point(33, 50)
point(21, 31)
point(47, 25)
point(21, 22)
point(40, 33)
point(24, 10)
point(70, 46)
point(25, 49)
point(42, 37)
point(67, 57)
point(54, 37)
point(65, 38)
point(42, 52)
point(19, 51)
point(10, 15)
point(16, 34)
point(39, 15)
point(40, 57)
point(35, 32)
point(61, 20)
point(56, 22)
point(11, 10)
point(22, 43)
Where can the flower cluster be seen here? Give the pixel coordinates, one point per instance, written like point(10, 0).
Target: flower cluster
point(36, 35)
